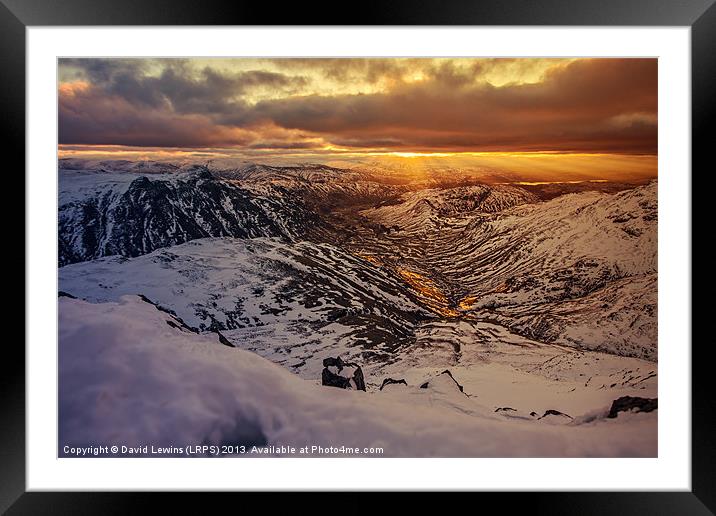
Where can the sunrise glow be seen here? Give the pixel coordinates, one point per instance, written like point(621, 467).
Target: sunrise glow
point(543, 119)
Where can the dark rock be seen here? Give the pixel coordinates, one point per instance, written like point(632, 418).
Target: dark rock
point(336, 314)
point(334, 380)
point(533, 414)
point(425, 385)
point(391, 381)
point(333, 362)
point(224, 340)
point(174, 325)
point(447, 372)
point(178, 322)
point(345, 375)
point(65, 294)
point(505, 409)
point(628, 403)
point(552, 412)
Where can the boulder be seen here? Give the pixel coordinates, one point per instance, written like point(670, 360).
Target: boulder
point(632, 403)
point(345, 375)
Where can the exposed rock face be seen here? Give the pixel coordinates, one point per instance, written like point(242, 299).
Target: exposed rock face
point(345, 375)
point(391, 381)
point(135, 215)
point(632, 403)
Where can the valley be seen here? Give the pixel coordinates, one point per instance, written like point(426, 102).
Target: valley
point(535, 297)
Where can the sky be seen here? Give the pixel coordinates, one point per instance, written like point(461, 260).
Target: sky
point(557, 116)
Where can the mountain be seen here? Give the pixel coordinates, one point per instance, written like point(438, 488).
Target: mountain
point(321, 187)
point(428, 209)
point(123, 213)
point(131, 374)
point(511, 315)
point(294, 302)
point(579, 269)
point(119, 165)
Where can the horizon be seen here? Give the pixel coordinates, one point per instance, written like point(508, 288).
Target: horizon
point(532, 118)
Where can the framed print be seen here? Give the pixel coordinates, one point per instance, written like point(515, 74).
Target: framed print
point(446, 248)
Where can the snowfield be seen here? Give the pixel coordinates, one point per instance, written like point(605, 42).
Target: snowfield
point(129, 373)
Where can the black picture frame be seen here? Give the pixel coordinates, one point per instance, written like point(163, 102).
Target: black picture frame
point(700, 15)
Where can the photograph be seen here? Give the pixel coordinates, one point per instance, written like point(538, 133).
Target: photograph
point(383, 257)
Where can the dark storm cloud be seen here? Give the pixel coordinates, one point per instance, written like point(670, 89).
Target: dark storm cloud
point(89, 116)
point(186, 90)
point(593, 105)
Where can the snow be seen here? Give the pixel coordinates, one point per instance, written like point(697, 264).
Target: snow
point(531, 305)
point(78, 185)
point(283, 300)
point(127, 377)
point(580, 269)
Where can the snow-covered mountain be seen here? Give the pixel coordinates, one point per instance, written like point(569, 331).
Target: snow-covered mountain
point(120, 212)
point(321, 187)
point(579, 269)
point(538, 300)
point(309, 173)
point(423, 210)
point(295, 302)
point(131, 372)
point(119, 165)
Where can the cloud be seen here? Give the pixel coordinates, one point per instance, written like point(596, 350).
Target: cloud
point(587, 105)
point(177, 85)
point(90, 116)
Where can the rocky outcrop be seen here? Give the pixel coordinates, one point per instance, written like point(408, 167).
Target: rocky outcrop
point(450, 379)
point(344, 375)
point(223, 340)
point(447, 372)
point(632, 403)
point(552, 412)
point(176, 321)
